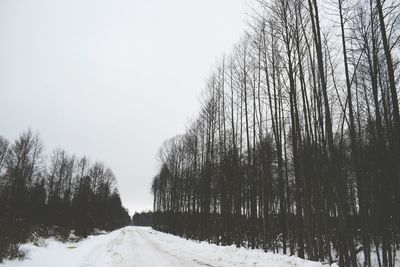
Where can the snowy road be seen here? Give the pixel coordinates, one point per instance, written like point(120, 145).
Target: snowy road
point(135, 246)
point(144, 247)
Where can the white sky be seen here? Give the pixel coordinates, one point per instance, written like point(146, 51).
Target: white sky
point(111, 79)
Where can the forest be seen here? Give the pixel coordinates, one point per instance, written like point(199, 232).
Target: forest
point(50, 195)
point(144, 218)
point(296, 148)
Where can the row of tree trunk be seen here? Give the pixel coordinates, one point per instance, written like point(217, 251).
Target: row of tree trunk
point(296, 148)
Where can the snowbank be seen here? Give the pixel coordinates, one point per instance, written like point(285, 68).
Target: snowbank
point(211, 254)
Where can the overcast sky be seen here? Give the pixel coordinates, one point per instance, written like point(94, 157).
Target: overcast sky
point(111, 79)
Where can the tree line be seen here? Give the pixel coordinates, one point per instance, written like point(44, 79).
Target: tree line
point(297, 145)
point(59, 190)
point(144, 218)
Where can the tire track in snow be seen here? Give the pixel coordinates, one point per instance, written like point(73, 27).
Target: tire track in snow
point(146, 235)
point(145, 252)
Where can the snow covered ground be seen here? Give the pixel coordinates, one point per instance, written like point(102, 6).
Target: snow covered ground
point(143, 247)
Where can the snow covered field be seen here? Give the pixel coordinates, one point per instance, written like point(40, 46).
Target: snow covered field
point(141, 247)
